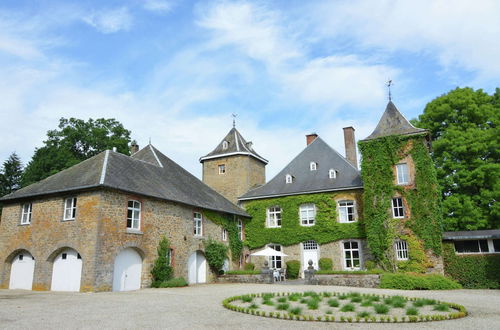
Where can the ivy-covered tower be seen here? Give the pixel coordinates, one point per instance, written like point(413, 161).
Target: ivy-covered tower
point(233, 167)
point(401, 196)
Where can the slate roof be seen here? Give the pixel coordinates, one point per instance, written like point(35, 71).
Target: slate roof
point(307, 181)
point(393, 123)
point(236, 145)
point(147, 172)
point(471, 234)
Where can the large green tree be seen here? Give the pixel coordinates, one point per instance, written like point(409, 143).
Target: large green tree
point(466, 147)
point(10, 175)
point(74, 141)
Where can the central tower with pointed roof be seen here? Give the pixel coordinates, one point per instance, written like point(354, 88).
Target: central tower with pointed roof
point(233, 167)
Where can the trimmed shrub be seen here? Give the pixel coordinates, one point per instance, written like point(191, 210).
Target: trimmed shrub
point(174, 283)
point(347, 308)
point(472, 271)
point(333, 303)
point(295, 311)
point(442, 307)
point(292, 269)
point(249, 266)
point(417, 282)
point(325, 264)
point(216, 255)
point(162, 271)
point(412, 311)
point(381, 308)
point(282, 307)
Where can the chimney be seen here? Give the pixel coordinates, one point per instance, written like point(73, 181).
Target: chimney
point(310, 138)
point(350, 146)
point(134, 147)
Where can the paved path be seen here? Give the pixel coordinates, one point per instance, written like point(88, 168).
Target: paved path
point(199, 307)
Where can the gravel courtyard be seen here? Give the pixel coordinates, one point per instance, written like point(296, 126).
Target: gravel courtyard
point(200, 306)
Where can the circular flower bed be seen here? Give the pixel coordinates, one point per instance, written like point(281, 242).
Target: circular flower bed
point(344, 307)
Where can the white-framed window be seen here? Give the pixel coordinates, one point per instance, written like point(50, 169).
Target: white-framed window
point(170, 256)
point(307, 214)
point(288, 178)
point(332, 174)
point(273, 217)
point(352, 255)
point(225, 145)
point(224, 234)
point(347, 211)
point(398, 210)
point(197, 224)
point(402, 173)
point(401, 248)
point(276, 262)
point(26, 213)
point(222, 169)
point(69, 208)
point(134, 215)
point(472, 246)
point(313, 166)
point(239, 225)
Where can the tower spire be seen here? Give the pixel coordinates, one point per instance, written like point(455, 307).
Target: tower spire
point(234, 119)
point(389, 84)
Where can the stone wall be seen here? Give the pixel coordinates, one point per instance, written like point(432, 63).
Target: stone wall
point(357, 280)
point(242, 174)
point(257, 278)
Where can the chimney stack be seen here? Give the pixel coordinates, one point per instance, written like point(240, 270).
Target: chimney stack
point(310, 138)
point(134, 147)
point(350, 146)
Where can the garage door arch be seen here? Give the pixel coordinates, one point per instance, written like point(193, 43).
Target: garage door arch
point(66, 270)
point(21, 270)
point(197, 268)
point(127, 270)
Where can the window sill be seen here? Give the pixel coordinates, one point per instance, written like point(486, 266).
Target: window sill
point(308, 225)
point(68, 220)
point(274, 227)
point(24, 224)
point(134, 231)
point(348, 221)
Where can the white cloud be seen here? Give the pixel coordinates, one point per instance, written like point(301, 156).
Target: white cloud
point(159, 6)
point(110, 21)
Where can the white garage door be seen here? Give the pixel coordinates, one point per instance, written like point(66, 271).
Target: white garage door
point(67, 271)
point(21, 271)
point(197, 268)
point(127, 271)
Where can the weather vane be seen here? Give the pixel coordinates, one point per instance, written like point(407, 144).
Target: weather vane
point(234, 119)
point(389, 84)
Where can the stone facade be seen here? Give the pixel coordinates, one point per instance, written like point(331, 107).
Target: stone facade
point(242, 173)
point(98, 233)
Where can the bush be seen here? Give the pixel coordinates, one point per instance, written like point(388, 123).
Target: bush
point(325, 264)
point(348, 308)
point(162, 271)
point(174, 283)
point(296, 311)
point(216, 255)
point(313, 303)
point(412, 311)
point(333, 303)
point(442, 308)
point(417, 282)
point(282, 307)
point(292, 269)
point(249, 266)
point(381, 308)
point(472, 271)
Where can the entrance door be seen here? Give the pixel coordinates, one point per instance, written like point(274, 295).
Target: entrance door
point(67, 271)
point(21, 271)
point(127, 271)
point(309, 252)
point(197, 268)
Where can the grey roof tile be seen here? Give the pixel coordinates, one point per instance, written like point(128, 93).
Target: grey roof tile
point(148, 172)
point(307, 181)
point(393, 123)
point(233, 143)
point(471, 234)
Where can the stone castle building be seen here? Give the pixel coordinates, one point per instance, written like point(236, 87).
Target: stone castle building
point(96, 226)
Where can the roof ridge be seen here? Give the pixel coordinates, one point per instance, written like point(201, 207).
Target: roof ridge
point(104, 167)
point(154, 154)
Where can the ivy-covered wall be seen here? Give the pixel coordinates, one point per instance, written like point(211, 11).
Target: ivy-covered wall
point(326, 228)
point(228, 222)
point(422, 200)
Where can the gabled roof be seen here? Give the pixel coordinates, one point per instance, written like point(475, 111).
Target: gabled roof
point(307, 181)
point(148, 172)
point(233, 144)
point(393, 123)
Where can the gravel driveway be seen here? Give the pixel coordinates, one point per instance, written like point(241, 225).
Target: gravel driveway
point(199, 307)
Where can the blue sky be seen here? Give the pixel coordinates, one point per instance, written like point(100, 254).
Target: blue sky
point(174, 71)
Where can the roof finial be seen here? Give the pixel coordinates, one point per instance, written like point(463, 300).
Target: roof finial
point(389, 84)
point(150, 140)
point(234, 119)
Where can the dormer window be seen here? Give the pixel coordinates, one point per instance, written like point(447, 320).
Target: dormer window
point(313, 166)
point(288, 178)
point(225, 145)
point(332, 174)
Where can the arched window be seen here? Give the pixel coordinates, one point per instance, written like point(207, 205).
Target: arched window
point(313, 166)
point(332, 174)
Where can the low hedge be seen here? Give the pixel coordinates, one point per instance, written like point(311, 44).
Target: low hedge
point(410, 281)
point(472, 271)
point(325, 264)
point(292, 269)
point(174, 283)
point(249, 266)
point(242, 272)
